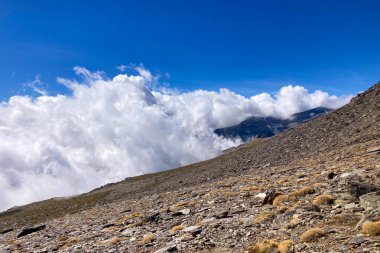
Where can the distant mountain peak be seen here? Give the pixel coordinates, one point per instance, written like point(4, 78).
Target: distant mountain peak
point(261, 127)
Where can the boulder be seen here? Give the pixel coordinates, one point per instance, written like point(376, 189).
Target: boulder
point(370, 200)
point(358, 188)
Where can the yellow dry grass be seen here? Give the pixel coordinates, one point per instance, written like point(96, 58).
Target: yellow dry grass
point(323, 199)
point(301, 193)
point(285, 246)
point(371, 228)
point(262, 247)
point(262, 217)
point(149, 237)
point(312, 234)
point(177, 228)
point(280, 199)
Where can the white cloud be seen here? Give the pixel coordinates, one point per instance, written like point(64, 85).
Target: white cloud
point(36, 86)
point(122, 68)
point(143, 72)
point(109, 129)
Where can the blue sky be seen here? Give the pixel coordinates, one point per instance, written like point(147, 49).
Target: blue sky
point(245, 46)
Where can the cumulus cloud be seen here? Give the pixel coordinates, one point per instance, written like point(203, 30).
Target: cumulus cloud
point(109, 129)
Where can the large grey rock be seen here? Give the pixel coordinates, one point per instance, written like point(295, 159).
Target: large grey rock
point(357, 188)
point(370, 200)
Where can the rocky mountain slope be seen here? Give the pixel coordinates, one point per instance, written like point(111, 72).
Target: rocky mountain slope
point(313, 188)
point(261, 127)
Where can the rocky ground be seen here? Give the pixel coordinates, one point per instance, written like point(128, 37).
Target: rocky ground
point(261, 208)
point(313, 188)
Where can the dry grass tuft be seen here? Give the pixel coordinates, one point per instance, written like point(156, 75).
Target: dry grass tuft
point(149, 237)
point(262, 247)
point(312, 234)
point(248, 189)
point(323, 199)
point(177, 228)
point(282, 180)
point(230, 194)
point(111, 241)
point(164, 210)
point(346, 220)
point(371, 228)
point(280, 199)
point(282, 209)
point(136, 224)
point(285, 246)
point(295, 219)
point(132, 216)
point(63, 238)
point(182, 204)
point(262, 217)
point(302, 192)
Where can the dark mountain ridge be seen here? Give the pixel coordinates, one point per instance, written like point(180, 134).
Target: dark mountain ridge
point(262, 127)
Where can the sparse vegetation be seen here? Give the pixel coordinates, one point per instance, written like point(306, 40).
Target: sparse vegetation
point(302, 192)
point(347, 220)
point(262, 217)
point(312, 234)
point(130, 216)
point(149, 237)
point(295, 220)
point(280, 199)
point(262, 247)
point(39, 212)
point(371, 228)
point(136, 224)
point(177, 228)
point(285, 246)
point(323, 199)
point(248, 189)
point(182, 204)
point(230, 194)
point(111, 241)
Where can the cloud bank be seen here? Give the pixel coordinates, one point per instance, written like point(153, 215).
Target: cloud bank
point(109, 129)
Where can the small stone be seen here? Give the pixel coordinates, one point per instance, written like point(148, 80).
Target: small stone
point(358, 240)
point(185, 211)
point(127, 232)
point(209, 220)
point(221, 215)
point(350, 206)
point(260, 195)
point(152, 217)
point(193, 229)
